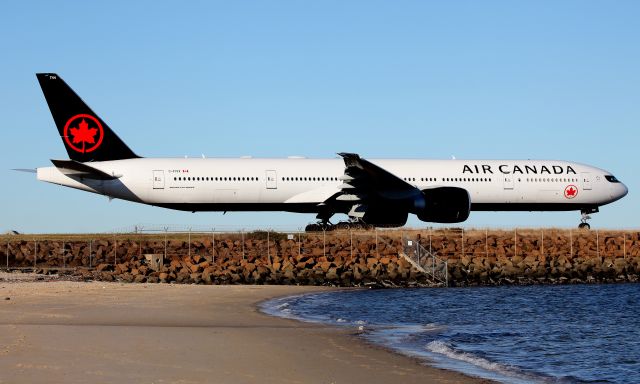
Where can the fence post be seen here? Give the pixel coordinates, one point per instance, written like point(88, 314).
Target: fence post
point(542, 243)
point(242, 233)
point(324, 242)
point(7, 255)
point(571, 243)
point(299, 242)
point(446, 273)
point(115, 245)
point(377, 252)
point(515, 242)
point(213, 246)
point(486, 242)
point(35, 254)
point(90, 254)
point(165, 242)
point(351, 242)
point(433, 265)
point(597, 243)
point(268, 249)
point(189, 252)
point(430, 250)
point(462, 235)
point(624, 245)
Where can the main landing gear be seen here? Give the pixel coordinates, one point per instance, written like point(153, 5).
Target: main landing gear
point(341, 226)
point(585, 216)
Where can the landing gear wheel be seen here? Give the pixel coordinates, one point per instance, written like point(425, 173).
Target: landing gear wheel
point(585, 216)
point(343, 226)
point(319, 227)
point(312, 228)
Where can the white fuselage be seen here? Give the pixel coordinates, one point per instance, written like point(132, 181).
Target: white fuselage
point(300, 184)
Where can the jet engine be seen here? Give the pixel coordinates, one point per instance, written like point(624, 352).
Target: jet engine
point(444, 205)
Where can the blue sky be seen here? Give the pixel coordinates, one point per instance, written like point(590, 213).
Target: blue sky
point(410, 79)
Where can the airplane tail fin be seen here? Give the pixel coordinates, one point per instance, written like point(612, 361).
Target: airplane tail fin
point(84, 134)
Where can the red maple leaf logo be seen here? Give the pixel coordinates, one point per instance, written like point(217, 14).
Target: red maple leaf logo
point(84, 134)
point(570, 192)
point(80, 136)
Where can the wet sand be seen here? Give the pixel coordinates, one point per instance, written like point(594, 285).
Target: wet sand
point(72, 332)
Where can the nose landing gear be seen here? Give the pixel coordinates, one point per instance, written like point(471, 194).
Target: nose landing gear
point(585, 216)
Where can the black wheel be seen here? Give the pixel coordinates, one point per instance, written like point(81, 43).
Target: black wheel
point(584, 226)
point(313, 228)
point(343, 226)
point(329, 227)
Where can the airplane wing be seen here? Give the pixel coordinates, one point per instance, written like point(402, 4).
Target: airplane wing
point(78, 169)
point(367, 186)
point(363, 178)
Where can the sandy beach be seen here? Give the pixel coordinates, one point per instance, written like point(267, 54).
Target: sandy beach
point(71, 332)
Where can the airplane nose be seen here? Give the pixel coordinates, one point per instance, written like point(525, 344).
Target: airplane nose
point(624, 191)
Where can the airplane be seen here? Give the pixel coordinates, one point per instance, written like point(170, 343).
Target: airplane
point(372, 193)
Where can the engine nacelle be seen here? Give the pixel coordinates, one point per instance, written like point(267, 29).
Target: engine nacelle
point(445, 205)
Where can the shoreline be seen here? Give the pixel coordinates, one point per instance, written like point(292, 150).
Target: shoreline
point(112, 332)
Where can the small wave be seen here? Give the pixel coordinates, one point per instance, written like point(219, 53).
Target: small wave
point(442, 348)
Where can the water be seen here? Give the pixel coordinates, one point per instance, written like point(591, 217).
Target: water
point(537, 334)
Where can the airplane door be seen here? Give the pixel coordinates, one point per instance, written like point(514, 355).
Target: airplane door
point(158, 179)
point(272, 179)
point(508, 182)
point(586, 180)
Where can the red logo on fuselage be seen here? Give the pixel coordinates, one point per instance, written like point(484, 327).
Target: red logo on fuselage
point(571, 191)
point(83, 133)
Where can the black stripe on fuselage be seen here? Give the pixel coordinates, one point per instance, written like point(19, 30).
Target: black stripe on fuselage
point(243, 207)
point(313, 207)
point(528, 207)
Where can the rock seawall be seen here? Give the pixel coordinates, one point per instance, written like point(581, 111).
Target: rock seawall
point(346, 259)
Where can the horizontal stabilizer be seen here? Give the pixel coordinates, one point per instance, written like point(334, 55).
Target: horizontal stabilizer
point(25, 170)
point(76, 168)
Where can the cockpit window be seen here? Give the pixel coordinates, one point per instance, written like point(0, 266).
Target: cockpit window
point(611, 179)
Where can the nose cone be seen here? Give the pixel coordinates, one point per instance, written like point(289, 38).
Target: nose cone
point(619, 191)
point(624, 190)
